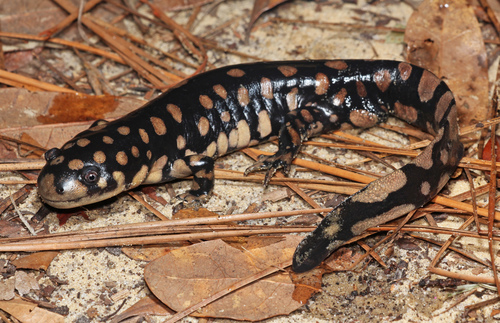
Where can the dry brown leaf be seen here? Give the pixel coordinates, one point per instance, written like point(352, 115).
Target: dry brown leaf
point(149, 305)
point(25, 282)
point(342, 259)
point(151, 192)
point(277, 194)
point(27, 312)
point(307, 283)
point(36, 261)
point(444, 37)
point(150, 253)
point(186, 276)
point(30, 151)
point(191, 213)
point(10, 229)
point(20, 107)
point(7, 287)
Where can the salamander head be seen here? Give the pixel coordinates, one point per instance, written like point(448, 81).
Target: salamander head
point(97, 164)
point(66, 182)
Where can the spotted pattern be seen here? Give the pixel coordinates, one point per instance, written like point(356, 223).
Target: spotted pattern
point(291, 98)
point(135, 151)
point(404, 71)
point(361, 89)
point(243, 134)
point(108, 140)
point(338, 65)
point(206, 102)
point(233, 138)
point(144, 136)
point(322, 84)
point(180, 169)
point(83, 142)
point(68, 145)
point(75, 164)
point(382, 79)
point(221, 91)
point(407, 113)
point(139, 177)
point(211, 149)
point(264, 126)
point(363, 118)
point(203, 126)
point(121, 158)
point(158, 125)
point(99, 157)
point(425, 188)
point(427, 86)
point(382, 188)
point(339, 98)
point(226, 109)
point(225, 116)
point(443, 105)
point(98, 127)
point(287, 71)
point(156, 171)
point(175, 112)
point(181, 142)
point(266, 88)
point(124, 131)
point(235, 72)
point(222, 143)
point(243, 96)
point(444, 156)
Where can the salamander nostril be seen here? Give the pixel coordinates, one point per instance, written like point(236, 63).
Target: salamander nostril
point(59, 190)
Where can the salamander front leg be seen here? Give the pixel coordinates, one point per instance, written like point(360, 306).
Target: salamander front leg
point(202, 169)
point(299, 125)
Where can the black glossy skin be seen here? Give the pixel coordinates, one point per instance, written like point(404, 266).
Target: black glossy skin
point(254, 103)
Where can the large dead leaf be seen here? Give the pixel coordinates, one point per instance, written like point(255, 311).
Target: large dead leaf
point(186, 276)
point(20, 108)
point(27, 312)
point(444, 37)
point(37, 261)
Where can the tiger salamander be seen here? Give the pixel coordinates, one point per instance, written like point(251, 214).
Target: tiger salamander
point(181, 132)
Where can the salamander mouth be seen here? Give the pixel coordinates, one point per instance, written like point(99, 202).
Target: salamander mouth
point(65, 203)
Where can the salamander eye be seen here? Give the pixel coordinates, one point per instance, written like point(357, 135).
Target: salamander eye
point(90, 175)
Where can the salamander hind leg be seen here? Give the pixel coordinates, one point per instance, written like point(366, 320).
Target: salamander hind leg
point(300, 124)
point(202, 169)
